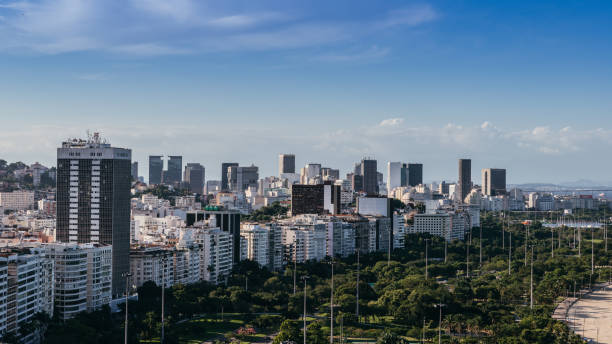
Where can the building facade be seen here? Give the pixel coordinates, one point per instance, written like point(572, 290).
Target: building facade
point(93, 199)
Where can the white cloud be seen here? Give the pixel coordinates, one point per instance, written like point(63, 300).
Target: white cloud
point(391, 122)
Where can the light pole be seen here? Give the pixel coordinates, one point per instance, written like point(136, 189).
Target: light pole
point(552, 241)
point(510, 254)
point(426, 260)
point(357, 288)
point(531, 282)
point(295, 266)
point(440, 305)
point(467, 262)
point(163, 285)
point(127, 293)
point(305, 278)
point(331, 304)
point(480, 244)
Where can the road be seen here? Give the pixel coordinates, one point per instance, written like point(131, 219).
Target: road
point(591, 317)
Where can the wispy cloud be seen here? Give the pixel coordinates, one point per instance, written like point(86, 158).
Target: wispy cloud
point(410, 16)
point(370, 54)
point(158, 27)
point(93, 76)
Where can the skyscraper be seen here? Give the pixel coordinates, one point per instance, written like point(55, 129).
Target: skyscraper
point(394, 175)
point(241, 178)
point(465, 178)
point(415, 174)
point(224, 169)
point(286, 164)
point(156, 166)
point(135, 170)
point(93, 199)
point(493, 181)
point(174, 174)
point(194, 177)
point(369, 174)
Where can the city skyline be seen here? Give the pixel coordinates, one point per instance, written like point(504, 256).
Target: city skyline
point(507, 84)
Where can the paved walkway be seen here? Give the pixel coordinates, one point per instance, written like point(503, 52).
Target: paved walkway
point(591, 316)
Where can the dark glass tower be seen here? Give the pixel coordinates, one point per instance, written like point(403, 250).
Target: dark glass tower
point(174, 174)
point(93, 199)
point(286, 163)
point(156, 166)
point(369, 174)
point(465, 178)
point(194, 177)
point(415, 174)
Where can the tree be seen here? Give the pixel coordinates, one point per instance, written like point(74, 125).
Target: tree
point(388, 337)
point(290, 331)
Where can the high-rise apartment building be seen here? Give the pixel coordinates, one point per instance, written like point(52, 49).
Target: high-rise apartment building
point(82, 277)
point(156, 166)
point(227, 220)
point(465, 179)
point(194, 177)
point(174, 173)
point(286, 164)
point(494, 181)
point(415, 174)
point(224, 170)
point(93, 199)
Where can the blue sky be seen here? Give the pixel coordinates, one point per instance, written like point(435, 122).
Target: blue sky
point(522, 85)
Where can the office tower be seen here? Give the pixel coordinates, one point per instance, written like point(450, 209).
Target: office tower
point(227, 220)
point(156, 166)
point(93, 199)
point(310, 174)
point(212, 186)
point(241, 178)
point(494, 181)
point(329, 174)
point(404, 175)
point(194, 177)
point(370, 176)
point(394, 175)
point(286, 164)
point(224, 170)
point(174, 173)
point(135, 171)
point(415, 174)
point(465, 179)
point(357, 182)
point(316, 199)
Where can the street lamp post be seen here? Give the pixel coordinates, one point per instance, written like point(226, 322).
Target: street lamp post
point(440, 305)
point(531, 282)
point(331, 305)
point(357, 288)
point(510, 254)
point(163, 287)
point(127, 293)
point(305, 278)
point(426, 259)
point(295, 266)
